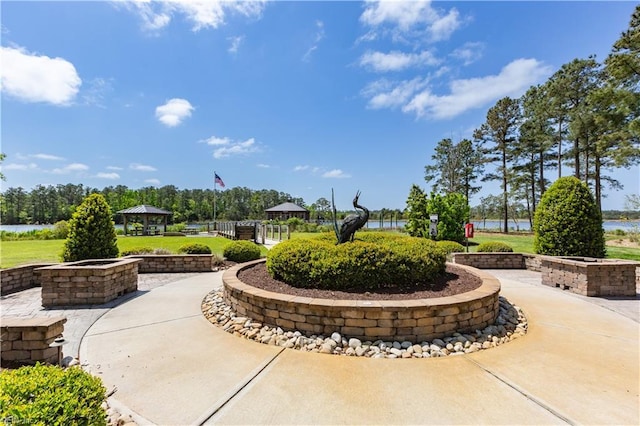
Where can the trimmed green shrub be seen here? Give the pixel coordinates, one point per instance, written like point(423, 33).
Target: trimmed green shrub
point(49, 395)
point(450, 247)
point(92, 234)
point(174, 234)
point(242, 251)
point(195, 249)
point(372, 261)
point(568, 222)
point(61, 230)
point(494, 247)
point(137, 250)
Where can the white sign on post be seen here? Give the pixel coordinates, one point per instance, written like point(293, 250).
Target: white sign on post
point(433, 226)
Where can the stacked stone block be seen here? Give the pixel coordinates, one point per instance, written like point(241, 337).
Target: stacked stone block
point(27, 340)
point(490, 260)
point(412, 320)
point(590, 277)
point(174, 263)
point(89, 282)
point(20, 278)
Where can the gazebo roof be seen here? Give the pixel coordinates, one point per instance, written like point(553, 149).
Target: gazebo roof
point(144, 209)
point(287, 207)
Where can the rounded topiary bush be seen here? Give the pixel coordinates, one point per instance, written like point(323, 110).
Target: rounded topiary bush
point(194, 249)
point(372, 261)
point(48, 395)
point(568, 222)
point(450, 247)
point(242, 251)
point(92, 234)
point(494, 247)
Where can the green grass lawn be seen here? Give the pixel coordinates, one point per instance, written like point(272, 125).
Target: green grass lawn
point(522, 243)
point(14, 253)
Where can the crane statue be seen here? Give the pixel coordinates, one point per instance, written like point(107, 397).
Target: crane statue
point(351, 223)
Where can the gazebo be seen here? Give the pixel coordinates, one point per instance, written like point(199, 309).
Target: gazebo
point(285, 211)
point(149, 227)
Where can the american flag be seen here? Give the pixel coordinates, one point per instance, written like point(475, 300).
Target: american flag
point(218, 180)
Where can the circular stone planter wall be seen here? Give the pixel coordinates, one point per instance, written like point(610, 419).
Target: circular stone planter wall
point(396, 320)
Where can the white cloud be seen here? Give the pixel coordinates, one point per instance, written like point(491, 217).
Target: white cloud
point(263, 166)
point(300, 168)
point(410, 18)
point(73, 167)
point(415, 96)
point(152, 181)
point(33, 78)
point(396, 61)
point(174, 112)
point(47, 157)
point(142, 167)
point(201, 13)
point(215, 141)
point(112, 176)
point(235, 43)
point(335, 173)
point(469, 52)
point(236, 148)
point(96, 91)
point(387, 94)
point(114, 168)
point(316, 41)
point(513, 80)
point(15, 166)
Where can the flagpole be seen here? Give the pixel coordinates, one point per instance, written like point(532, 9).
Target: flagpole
point(214, 199)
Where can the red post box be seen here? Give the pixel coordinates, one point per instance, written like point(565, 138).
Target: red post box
point(468, 230)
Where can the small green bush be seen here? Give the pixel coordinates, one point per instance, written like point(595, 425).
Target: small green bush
point(92, 234)
point(372, 261)
point(450, 247)
point(61, 230)
point(195, 249)
point(494, 247)
point(137, 250)
point(568, 222)
point(49, 395)
point(242, 251)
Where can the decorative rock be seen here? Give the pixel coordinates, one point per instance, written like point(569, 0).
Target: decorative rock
point(510, 325)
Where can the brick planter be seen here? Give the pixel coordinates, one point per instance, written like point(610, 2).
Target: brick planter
point(589, 276)
point(88, 282)
point(412, 320)
point(20, 278)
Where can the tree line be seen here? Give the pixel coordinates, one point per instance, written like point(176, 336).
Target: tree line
point(50, 204)
point(583, 121)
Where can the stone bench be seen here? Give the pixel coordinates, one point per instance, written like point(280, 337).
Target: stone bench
point(26, 341)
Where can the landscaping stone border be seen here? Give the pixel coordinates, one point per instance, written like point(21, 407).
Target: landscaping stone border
point(20, 278)
point(402, 320)
point(27, 340)
point(586, 276)
point(171, 263)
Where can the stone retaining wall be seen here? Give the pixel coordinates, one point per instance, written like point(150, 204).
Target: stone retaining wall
point(490, 260)
point(20, 278)
point(173, 263)
point(88, 282)
point(396, 320)
point(589, 276)
point(27, 340)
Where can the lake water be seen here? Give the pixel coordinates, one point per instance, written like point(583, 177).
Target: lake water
point(608, 225)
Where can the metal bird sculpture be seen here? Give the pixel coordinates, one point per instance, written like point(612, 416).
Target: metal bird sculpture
point(351, 223)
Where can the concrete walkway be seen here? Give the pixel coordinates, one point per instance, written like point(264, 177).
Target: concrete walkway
point(579, 363)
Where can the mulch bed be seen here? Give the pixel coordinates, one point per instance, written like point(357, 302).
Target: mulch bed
point(455, 281)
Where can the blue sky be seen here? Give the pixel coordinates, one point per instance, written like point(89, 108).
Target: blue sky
point(300, 97)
